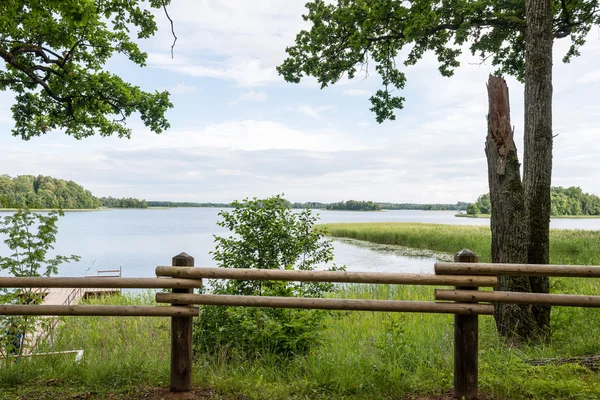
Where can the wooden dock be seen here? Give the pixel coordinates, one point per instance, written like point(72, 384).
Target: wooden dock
point(46, 326)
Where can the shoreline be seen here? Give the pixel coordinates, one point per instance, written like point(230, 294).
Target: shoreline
point(551, 217)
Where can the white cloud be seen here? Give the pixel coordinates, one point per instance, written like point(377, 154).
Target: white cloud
point(245, 71)
point(250, 97)
point(357, 92)
point(182, 88)
point(253, 135)
point(313, 112)
point(590, 77)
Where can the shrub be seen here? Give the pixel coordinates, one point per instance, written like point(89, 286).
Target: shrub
point(29, 236)
point(266, 234)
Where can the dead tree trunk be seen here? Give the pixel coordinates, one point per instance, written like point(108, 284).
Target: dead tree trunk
point(508, 219)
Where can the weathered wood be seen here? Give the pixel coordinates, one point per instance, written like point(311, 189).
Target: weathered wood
point(466, 342)
point(590, 362)
point(518, 298)
point(116, 311)
point(325, 304)
point(327, 276)
point(575, 271)
point(99, 282)
point(181, 338)
point(508, 215)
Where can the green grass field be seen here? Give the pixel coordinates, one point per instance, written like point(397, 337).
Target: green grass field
point(566, 246)
point(363, 355)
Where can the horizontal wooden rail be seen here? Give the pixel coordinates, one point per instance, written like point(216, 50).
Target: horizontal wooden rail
point(98, 282)
point(327, 276)
point(326, 304)
point(581, 271)
point(116, 311)
point(518, 298)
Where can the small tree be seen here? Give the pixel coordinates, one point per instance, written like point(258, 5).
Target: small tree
point(472, 209)
point(267, 234)
point(30, 237)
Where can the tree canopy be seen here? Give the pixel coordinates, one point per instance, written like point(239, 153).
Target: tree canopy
point(54, 55)
point(348, 36)
point(46, 192)
point(28, 191)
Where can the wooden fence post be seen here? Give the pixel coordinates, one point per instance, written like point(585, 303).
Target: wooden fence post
point(181, 339)
point(466, 342)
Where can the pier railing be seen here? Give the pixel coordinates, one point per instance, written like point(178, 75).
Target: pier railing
point(465, 301)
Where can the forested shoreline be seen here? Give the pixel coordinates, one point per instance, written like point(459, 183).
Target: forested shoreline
point(564, 201)
point(36, 192)
point(46, 192)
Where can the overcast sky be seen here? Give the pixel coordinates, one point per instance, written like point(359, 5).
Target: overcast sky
point(239, 130)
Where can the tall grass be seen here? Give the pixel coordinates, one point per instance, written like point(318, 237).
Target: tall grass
point(364, 355)
point(119, 352)
point(566, 246)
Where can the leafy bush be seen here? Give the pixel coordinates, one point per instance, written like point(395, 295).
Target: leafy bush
point(266, 234)
point(29, 236)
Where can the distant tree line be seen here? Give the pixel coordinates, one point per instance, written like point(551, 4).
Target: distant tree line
point(28, 191)
point(128, 202)
point(428, 207)
point(354, 205)
point(564, 201)
point(152, 203)
point(310, 204)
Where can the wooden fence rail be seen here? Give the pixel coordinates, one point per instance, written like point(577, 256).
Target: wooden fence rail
point(518, 298)
point(465, 274)
point(327, 276)
point(103, 311)
point(99, 282)
point(326, 304)
point(574, 271)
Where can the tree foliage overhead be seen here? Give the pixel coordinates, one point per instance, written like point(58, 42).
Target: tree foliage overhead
point(54, 55)
point(347, 36)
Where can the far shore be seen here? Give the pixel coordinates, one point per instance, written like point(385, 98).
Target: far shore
point(56, 209)
point(552, 216)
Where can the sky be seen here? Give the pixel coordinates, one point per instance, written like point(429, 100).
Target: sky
point(239, 130)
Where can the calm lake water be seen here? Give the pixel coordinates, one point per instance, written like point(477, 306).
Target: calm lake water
point(139, 240)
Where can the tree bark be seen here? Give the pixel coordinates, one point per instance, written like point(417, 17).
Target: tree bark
point(508, 223)
point(537, 169)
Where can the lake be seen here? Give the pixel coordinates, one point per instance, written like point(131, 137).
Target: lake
point(139, 240)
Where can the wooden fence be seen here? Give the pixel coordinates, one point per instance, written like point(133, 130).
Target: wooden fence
point(182, 277)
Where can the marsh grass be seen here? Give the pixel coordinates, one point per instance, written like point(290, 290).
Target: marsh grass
point(363, 355)
point(566, 246)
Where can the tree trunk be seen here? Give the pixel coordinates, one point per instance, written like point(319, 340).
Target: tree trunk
point(508, 222)
point(537, 169)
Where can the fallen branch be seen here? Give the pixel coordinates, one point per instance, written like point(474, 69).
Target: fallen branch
point(590, 362)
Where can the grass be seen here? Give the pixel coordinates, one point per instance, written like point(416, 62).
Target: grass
point(363, 355)
point(566, 246)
